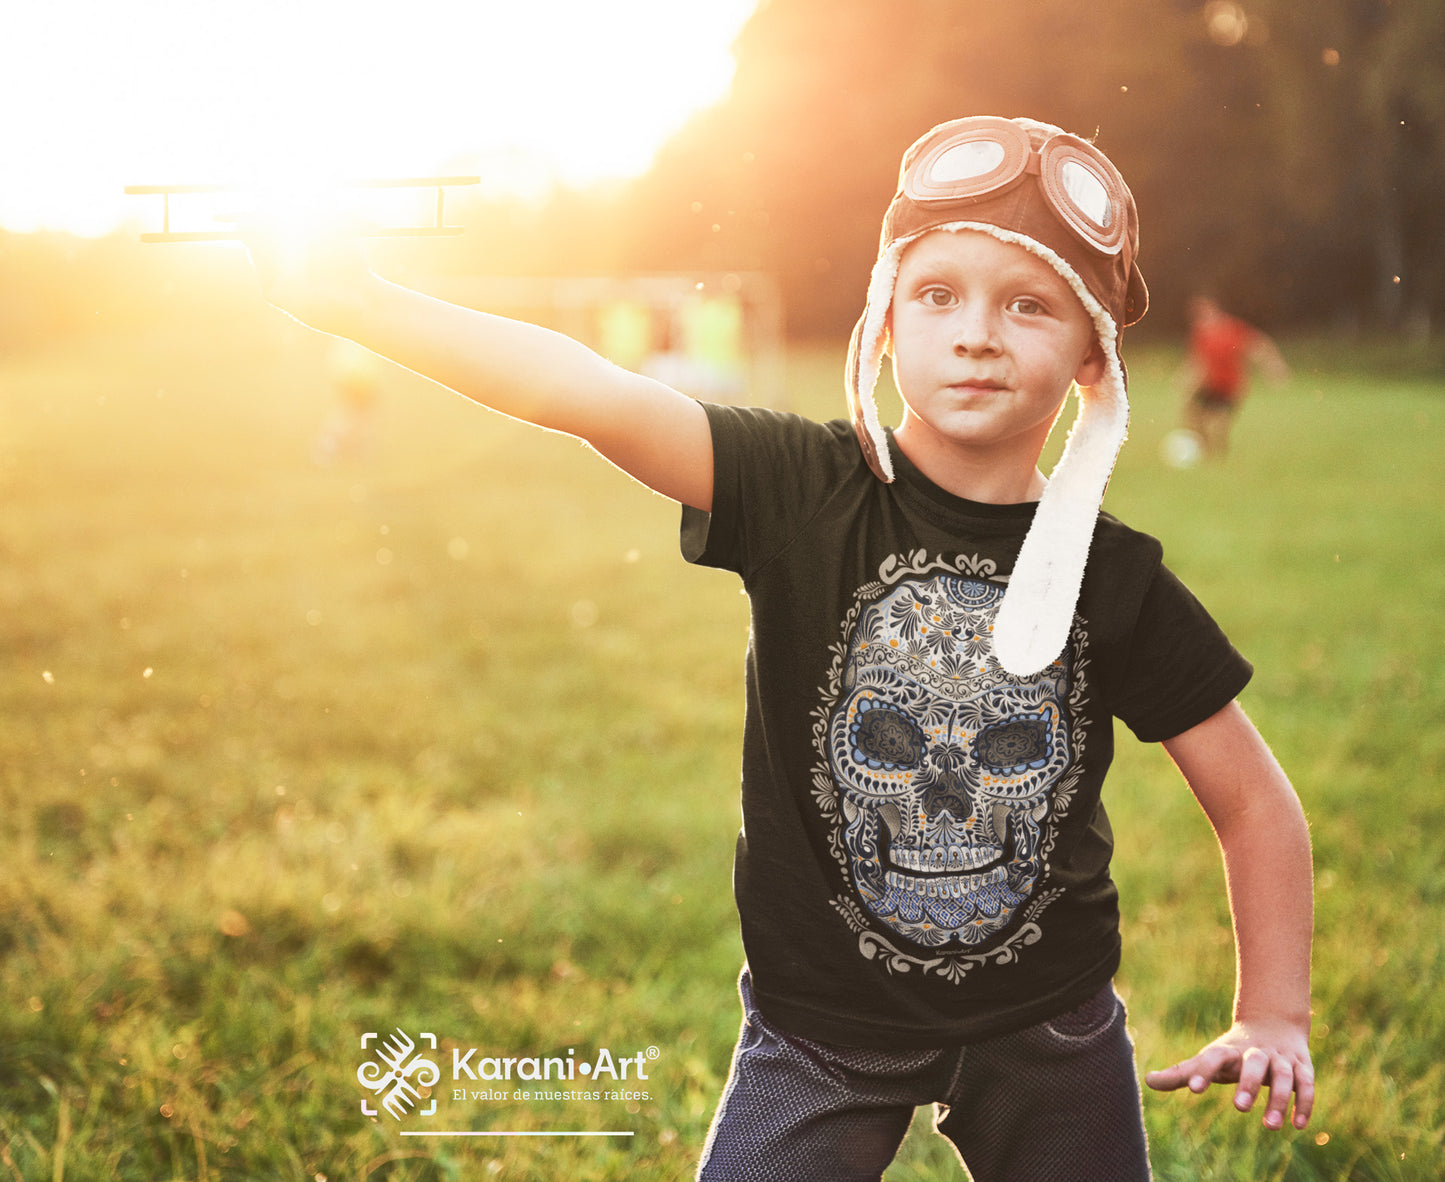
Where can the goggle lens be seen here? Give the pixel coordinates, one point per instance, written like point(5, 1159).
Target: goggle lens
point(1088, 193)
point(967, 162)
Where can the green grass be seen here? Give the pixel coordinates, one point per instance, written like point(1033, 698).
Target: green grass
point(446, 738)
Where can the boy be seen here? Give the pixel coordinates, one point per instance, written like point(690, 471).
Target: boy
point(922, 876)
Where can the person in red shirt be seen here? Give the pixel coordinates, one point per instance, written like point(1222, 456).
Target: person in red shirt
point(1222, 351)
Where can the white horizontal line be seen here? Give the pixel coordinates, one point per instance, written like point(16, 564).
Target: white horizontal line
point(493, 1133)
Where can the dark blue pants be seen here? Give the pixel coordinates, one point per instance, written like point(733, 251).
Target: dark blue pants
point(1058, 1102)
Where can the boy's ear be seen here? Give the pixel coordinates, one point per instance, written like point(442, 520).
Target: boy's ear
point(1091, 369)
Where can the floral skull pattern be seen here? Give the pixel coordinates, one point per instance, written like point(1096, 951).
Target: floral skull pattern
point(945, 764)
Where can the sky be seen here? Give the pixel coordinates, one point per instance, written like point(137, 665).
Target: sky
point(99, 94)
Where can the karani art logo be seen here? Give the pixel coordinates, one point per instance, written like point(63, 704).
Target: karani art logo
point(398, 1073)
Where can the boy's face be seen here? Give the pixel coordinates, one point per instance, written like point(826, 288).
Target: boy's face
point(986, 339)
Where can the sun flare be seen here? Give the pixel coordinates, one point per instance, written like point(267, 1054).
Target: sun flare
point(297, 93)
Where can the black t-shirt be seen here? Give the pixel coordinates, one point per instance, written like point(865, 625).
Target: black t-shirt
point(924, 857)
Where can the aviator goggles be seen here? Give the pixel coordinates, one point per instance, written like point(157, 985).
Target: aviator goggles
point(992, 170)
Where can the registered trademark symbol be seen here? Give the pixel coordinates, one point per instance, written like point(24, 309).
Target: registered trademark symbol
point(653, 1053)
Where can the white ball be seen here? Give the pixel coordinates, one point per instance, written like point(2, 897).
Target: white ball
point(1182, 449)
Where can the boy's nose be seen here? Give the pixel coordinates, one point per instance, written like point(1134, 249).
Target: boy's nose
point(974, 333)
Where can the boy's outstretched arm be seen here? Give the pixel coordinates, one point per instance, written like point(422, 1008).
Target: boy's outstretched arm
point(1262, 833)
point(648, 429)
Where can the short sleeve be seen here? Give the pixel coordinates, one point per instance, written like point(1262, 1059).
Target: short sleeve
point(771, 472)
point(1180, 668)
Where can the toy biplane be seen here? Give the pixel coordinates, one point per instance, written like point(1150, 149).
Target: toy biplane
point(438, 228)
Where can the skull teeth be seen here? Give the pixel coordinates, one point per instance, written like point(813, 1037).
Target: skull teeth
point(943, 858)
point(946, 888)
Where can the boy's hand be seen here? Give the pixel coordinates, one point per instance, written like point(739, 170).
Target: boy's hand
point(313, 268)
point(1253, 1055)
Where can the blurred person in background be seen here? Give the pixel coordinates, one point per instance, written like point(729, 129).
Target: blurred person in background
point(1222, 352)
point(354, 375)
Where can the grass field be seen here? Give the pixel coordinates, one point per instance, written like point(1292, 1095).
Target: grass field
point(445, 738)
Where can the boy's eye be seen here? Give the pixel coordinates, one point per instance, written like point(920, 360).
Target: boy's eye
point(939, 297)
point(1027, 305)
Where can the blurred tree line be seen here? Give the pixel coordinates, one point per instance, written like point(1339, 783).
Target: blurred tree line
point(1288, 157)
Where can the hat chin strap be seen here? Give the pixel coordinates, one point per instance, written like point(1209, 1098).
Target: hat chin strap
point(1033, 622)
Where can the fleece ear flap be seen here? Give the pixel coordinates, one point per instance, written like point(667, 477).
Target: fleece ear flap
point(1033, 622)
point(865, 362)
point(863, 409)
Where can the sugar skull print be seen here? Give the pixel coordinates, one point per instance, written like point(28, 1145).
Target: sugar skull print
point(945, 765)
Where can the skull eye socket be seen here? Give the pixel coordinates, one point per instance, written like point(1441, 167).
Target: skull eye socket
point(884, 738)
point(1013, 746)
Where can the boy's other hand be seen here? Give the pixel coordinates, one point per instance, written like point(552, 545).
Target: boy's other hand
point(1253, 1055)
